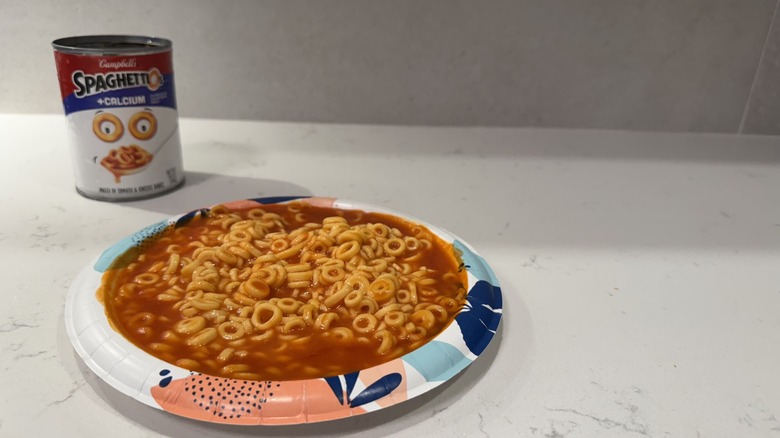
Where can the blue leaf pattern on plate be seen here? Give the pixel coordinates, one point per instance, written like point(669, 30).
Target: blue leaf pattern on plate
point(375, 391)
point(479, 320)
point(350, 380)
point(185, 219)
point(437, 361)
point(113, 253)
point(166, 380)
point(335, 385)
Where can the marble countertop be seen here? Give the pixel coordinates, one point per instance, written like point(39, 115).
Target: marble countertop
point(639, 272)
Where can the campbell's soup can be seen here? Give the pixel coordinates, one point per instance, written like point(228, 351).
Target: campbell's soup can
point(120, 103)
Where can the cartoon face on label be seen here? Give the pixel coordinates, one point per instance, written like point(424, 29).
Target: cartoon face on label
point(125, 141)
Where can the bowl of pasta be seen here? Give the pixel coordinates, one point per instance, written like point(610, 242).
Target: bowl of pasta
point(283, 310)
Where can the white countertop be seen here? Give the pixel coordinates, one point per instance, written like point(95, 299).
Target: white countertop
point(640, 272)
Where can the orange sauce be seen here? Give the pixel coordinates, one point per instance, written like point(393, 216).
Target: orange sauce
point(305, 352)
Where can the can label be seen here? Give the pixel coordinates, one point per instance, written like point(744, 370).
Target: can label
point(123, 123)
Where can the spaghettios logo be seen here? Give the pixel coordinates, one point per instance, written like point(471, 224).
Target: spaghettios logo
point(90, 84)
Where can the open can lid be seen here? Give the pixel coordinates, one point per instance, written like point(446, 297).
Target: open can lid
point(112, 45)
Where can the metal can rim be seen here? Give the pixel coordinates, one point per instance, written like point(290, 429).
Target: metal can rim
point(91, 45)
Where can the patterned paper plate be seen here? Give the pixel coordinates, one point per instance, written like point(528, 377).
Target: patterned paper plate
point(165, 386)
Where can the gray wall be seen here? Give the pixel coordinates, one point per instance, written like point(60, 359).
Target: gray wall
point(664, 65)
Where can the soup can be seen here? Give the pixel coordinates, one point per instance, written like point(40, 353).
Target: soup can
point(120, 105)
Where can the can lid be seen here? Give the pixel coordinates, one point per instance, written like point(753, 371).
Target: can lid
point(112, 45)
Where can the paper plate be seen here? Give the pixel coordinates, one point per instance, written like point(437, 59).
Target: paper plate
point(165, 386)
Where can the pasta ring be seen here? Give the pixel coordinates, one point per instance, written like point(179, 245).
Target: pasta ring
point(190, 325)
point(231, 330)
point(107, 127)
point(143, 131)
point(256, 288)
point(155, 79)
point(261, 322)
point(365, 323)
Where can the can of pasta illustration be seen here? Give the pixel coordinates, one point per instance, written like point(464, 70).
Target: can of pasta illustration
point(120, 104)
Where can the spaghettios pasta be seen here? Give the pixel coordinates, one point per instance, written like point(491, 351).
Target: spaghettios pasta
point(286, 292)
point(125, 159)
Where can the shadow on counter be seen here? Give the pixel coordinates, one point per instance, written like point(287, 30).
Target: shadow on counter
point(203, 189)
